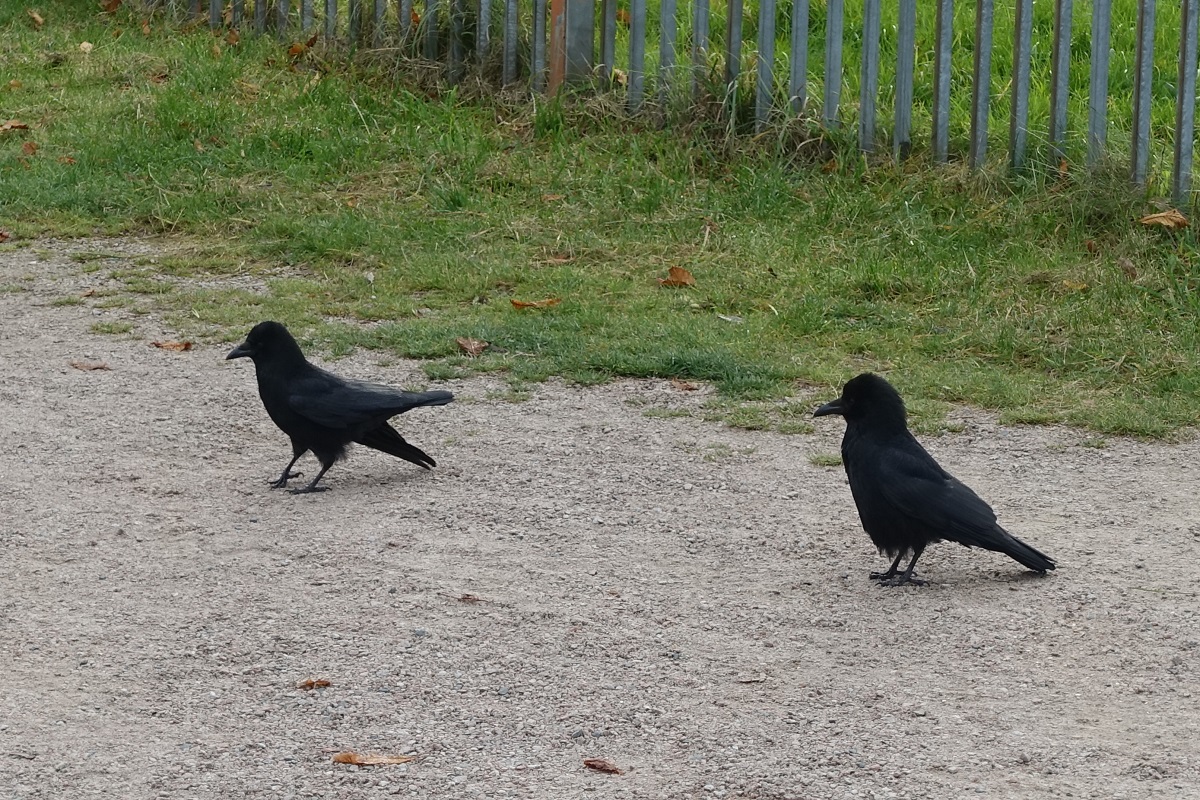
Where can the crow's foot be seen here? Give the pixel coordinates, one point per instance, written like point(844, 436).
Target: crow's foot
point(282, 480)
point(901, 579)
point(884, 576)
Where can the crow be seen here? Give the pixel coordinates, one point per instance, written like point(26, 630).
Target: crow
point(905, 500)
point(322, 412)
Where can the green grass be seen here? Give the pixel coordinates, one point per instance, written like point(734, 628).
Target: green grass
point(111, 328)
point(824, 459)
point(332, 199)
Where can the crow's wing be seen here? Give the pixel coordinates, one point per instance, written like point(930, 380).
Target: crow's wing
point(339, 403)
point(915, 486)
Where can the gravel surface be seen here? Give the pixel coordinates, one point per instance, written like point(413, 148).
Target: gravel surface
point(575, 580)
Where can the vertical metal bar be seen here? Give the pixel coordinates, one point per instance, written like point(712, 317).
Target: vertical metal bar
point(377, 23)
point(405, 12)
point(194, 8)
point(666, 50)
point(260, 16)
point(458, 48)
point(699, 44)
point(281, 17)
point(539, 45)
point(766, 63)
point(798, 80)
point(355, 20)
point(1143, 74)
point(906, 37)
point(1098, 81)
point(1018, 124)
point(868, 89)
point(306, 14)
point(215, 8)
point(733, 46)
point(482, 35)
point(608, 37)
point(835, 17)
point(1185, 104)
point(431, 30)
point(637, 53)
point(941, 80)
point(1060, 68)
point(509, 74)
point(239, 9)
point(330, 18)
point(981, 91)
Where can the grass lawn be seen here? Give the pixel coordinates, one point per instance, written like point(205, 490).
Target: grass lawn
point(361, 201)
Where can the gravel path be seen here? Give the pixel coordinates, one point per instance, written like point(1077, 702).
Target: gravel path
point(576, 580)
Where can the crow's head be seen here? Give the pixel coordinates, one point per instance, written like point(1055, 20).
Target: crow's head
point(267, 341)
point(866, 397)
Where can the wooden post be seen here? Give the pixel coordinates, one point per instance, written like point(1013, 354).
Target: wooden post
point(572, 41)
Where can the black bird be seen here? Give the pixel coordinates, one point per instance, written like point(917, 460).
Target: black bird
point(905, 500)
point(322, 412)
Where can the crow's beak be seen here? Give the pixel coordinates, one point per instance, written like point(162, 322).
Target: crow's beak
point(832, 407)
point(241, 351)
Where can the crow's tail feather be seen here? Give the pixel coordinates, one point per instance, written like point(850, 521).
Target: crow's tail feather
point(385, 439)
point(1031, 557)
point(435, 398)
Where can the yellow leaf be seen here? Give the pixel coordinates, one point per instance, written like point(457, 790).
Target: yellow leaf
point(1171, 218)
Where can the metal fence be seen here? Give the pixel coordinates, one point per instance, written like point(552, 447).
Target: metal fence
point(549, 42)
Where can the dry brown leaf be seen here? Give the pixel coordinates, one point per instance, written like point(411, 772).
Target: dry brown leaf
point(66, 160)
point(677, 276)
point(312, 40)
point(415, 18)
point(110, 6)
point(145, 27)
point(312, 683)
point(13, 125)
point(180, 346)
point(29, 148)
point(370, 759)
point(90, 365)
point(623, 17)
point(603, 765)
point(232, 37)
point(1091, 246)
point(552, 198)
point(549, 302)
point(38, 20)
point(15, 84)
point(1063, 169)
point(297, 49)
point(88, 293)
point(1124, 263)
point(684, 386)
point(4, 235)
point(471, 347)
point(1170, 218)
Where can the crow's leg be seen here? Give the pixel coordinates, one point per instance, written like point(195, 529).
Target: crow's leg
point(891, 573)
point(312, 487)
point(906, 576)
point(287, 475)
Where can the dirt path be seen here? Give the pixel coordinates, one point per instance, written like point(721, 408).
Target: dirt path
point(686, 600)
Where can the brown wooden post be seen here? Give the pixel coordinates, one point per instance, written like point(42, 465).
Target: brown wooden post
point(572, 41)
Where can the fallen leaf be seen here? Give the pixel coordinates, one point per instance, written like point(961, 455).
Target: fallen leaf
point(553, 198)
point(90, 365)
point(13, 125)
point(684, 386)
point(415, 18)
point(215, 51)
point(623, 17)
point(110, 6)
point(311, 683)
point(232, 37)
point(370, 759)
point(146, 28)
point(471, 347)
point(1063, 168)
point(86, 47)
point(29, 148)
point(180, 346)
point(38, 20)
point(15, 84)
point(196, 143)
point(677, 276)
point(311, 40)
point(1171, 218)
point(1091, 246)
point(4, 235)
point(547, 303)
point(88, 293)
point(1124, 263)
point(297, 49)
point(603, 765)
